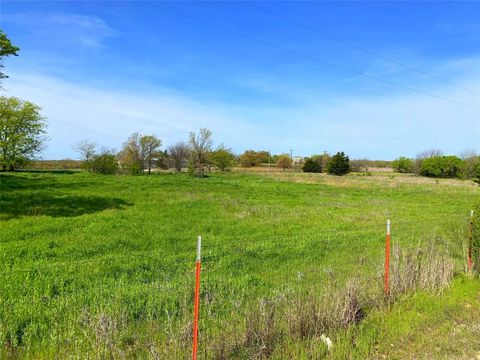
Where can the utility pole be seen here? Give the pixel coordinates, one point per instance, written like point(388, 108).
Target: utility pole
point(291, 154)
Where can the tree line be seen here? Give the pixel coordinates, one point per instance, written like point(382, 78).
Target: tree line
point(142, 153)
point(23, 134)
point(433, 163)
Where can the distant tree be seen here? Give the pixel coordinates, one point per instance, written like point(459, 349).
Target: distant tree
point(417, 165)
point(249, 158)
point(284, 162)
point(263, 157)
point(6, 49)
point(200, 149)
point(471, 161)
point(179, 154)
point(130, 157)
point(149, 150)
point(339, 164)
point(105, 162)
point(359, 165)
point(402, 165)
point(22, 132)
point(163, 160)
point(223, 158)
point(322, 159)
point(311, 166)
point(442, 167)
point(86, 149)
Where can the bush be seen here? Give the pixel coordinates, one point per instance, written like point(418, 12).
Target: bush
point(223, 158)
point(442, 167)
point(105, 163)
point(402, 165)
point(311, 166)
point(339, 164)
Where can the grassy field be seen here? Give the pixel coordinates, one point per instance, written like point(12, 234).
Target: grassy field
point(102, 266)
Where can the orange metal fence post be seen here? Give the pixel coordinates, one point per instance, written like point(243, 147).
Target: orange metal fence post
point(196, 306)
point(470, 240)
point(387, 259)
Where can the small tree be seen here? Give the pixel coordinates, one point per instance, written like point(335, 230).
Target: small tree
point(22, 130)
point(249, 158)
point(179, 154)
point(402, 165)
point(149, 150)
point(339, 164)
point(442, 167)
point(200, 149)
point(105, 162)
point(87, 150)
point(284, 162)
point(223, 158)
point(311, 166)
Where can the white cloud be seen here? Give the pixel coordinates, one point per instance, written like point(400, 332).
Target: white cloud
point(63, 28)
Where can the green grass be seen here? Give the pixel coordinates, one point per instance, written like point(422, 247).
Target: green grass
point(103, 265)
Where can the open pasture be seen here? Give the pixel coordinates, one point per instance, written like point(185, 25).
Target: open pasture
point(103, 265)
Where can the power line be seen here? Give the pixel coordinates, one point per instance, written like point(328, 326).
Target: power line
point(367, 51)
point(310, 57)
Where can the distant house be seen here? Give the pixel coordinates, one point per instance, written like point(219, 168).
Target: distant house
point(298, 160)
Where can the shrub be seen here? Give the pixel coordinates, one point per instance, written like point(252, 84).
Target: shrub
point(442, 167)
point(312, 166)
point(105, 162)
point(403, 165)
point(339, 164)
point(223, 158)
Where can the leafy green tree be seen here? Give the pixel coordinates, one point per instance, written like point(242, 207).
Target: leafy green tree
point(149, 150)
point(22, 132)
point(6, 49)
point(339, 164)
point(105, 162)
point(200, 152)
point(284, 162)
point(139, 152)
point(402, 165)
point(311, 166)
point(223, 158)
point(442, 167)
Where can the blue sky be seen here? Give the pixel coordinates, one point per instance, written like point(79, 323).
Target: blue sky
point(104, 69)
